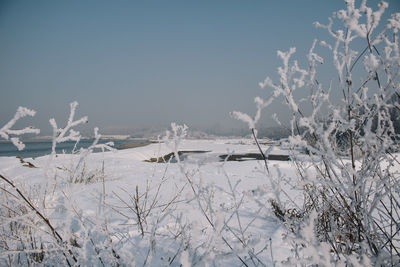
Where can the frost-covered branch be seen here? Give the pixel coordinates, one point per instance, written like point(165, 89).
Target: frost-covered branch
point(85, 152)
point(10, 134)
point(67, 133)
point(173, 139)
point(344, 148)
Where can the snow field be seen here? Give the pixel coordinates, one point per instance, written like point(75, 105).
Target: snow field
point(233, 195)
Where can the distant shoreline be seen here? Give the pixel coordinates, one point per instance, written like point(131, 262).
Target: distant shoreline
point(43, 146)
point(131, 145)
point(49, 139)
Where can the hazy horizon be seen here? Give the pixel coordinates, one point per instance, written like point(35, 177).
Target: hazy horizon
point(141, 65)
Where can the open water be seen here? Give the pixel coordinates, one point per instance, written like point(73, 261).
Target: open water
point(40, 148)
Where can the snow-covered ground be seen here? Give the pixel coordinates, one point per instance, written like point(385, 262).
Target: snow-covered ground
point(201, 211)
point(115, 207)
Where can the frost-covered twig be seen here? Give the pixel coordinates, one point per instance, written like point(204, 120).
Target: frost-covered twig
point(251, 122)
point(85, 152)
point(54, 232)
point(6, 132)
point(67, 133)
point(173, 140)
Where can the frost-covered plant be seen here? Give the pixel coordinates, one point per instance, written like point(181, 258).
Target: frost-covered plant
point(228, 229)
point(152, 232)
point(150, 224)
point(173, 139)
point(29, 235)
point(350, 175)
point(66, 133)
point(78, 172)
point(11, 134)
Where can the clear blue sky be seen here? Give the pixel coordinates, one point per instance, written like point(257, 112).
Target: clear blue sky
point(138, 64)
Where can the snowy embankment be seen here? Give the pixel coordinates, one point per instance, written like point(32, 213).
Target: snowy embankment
point(202, 210)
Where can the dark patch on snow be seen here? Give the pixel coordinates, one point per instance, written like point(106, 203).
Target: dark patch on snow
point(171, 156)
point(233, 157)
point(252, 156)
